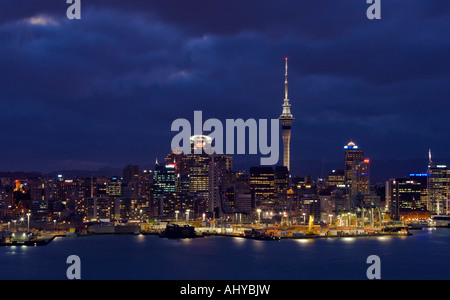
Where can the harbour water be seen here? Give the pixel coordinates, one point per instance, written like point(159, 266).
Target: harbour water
point(424, 255)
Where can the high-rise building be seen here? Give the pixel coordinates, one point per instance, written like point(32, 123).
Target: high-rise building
point(163, 184)
point(352, 154)
point(281, 184)
point(199, 166)
point(438, 186)
point(114, 186)
point(336, 179)
point(182, 163)
point(403, 194)
point(286, 120)
point(421, 178)
point(180, 160)
point(219, 167)
point(360, 178)
point(242, 194)
point(262, 186)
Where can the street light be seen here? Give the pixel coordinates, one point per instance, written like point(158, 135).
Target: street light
point(176, 215)
point(54, 225)
point(187, 215)
point(28, 217)
point(259, 215)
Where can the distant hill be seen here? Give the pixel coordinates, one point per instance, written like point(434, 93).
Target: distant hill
point(20, 175)
point(103, 172)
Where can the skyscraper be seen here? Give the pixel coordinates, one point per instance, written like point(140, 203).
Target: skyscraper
point(163, 185)
point(286, 120)
point(360, 178)
point(352, 154)
point(262, 186)
point(199, 169)
point(438, 187)
point(219, 167)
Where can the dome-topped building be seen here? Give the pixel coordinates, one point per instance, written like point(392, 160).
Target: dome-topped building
point(351, 145)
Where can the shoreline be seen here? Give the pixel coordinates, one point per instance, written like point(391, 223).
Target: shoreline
point(49, 239)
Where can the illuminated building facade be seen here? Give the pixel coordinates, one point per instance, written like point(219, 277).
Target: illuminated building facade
point(262, 185)
point(438, 186)
point(360, 178)
point(114, 187)
point(352, 154)
point(403, 194)
point(336, 179)
point(163, 184)
point(199, 169)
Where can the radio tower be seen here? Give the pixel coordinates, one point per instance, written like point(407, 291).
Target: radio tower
point(286, 120)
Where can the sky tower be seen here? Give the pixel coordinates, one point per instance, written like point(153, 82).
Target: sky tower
point(286, 119)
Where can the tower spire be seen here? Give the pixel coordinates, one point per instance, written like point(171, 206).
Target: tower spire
point(286, 82)
point(430, 161)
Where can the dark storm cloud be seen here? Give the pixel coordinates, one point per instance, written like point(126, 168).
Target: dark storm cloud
point(104, 90)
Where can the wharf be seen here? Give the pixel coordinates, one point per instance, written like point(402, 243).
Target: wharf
point(40, 241)
point(309, 236)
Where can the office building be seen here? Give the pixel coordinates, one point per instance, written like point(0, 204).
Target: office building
point(438, 186)
point(262, 186)
point(352, 154)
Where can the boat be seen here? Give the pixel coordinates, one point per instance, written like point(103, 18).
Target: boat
point(441, 221)
point(418, 225)
point(31, 242)
point(176, 231)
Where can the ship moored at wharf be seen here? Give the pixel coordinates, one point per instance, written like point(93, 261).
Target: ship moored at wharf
point(270, 233)
point(179, 231)
point(23, 238)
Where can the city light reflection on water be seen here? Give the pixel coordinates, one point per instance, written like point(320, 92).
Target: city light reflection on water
point(151, 257)
point(384, 238)
point(349, 239)
point(304, 241)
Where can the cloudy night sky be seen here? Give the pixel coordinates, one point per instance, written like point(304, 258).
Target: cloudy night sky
point(103, 91)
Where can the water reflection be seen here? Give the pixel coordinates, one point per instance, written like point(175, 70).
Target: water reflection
point(349, 239)
point(384, 238)
point(304, 241)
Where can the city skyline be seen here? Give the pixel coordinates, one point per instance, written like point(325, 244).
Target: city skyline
point(93, 93)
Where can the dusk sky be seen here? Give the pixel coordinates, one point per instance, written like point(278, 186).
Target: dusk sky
point(104, 90)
